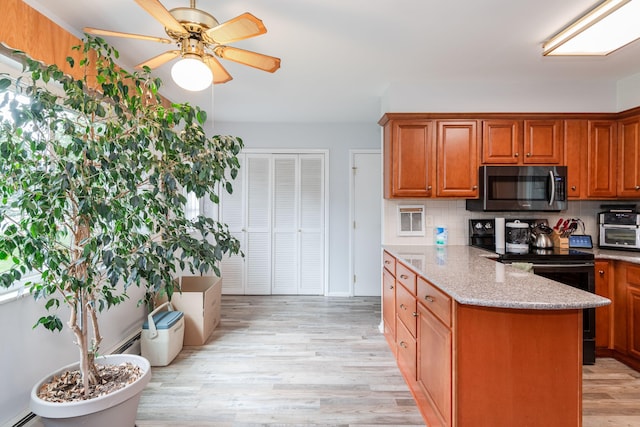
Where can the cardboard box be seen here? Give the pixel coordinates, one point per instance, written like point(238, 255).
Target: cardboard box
point(200, 302)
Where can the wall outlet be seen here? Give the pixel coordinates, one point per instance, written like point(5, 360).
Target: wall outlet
point(428, 220)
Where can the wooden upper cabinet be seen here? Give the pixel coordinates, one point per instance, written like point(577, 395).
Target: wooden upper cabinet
point(575, 157)
point(601, 159)
point(501, 141)
point(457, 158)
point(629, 158)
point(522, 142)
point(543, 142)
point(408, 158)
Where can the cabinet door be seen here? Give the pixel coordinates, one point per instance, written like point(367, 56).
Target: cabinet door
point(501, 141)
point(604, 320)
point(408, 171)
point(457, 159)
point(543, 142)
point(601, 159)
point(629, 158)
point(633, 307)
point(575, 157)
point(389, 303)
point(631, 280)
point(434, 362)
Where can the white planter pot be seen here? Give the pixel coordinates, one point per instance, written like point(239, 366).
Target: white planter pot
point(114, 409)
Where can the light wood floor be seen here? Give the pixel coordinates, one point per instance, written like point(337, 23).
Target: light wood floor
point(315, 361)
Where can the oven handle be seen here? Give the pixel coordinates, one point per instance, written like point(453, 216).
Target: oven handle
point(625, 226)
point(582, 265)
point(553, 188)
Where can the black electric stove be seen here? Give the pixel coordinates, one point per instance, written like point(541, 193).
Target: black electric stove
point(568, 266)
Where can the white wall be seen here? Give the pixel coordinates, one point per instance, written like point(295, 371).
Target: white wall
point(501, 96)
point(338, 138)
point(628, 91)
point(27, 354)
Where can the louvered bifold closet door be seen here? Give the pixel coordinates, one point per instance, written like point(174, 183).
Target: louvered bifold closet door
point(258, 244)
point(232, 212)
point(311, 225)
point(285, 224)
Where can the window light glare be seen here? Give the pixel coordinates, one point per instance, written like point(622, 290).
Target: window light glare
point(607, 28)
point(191, 74)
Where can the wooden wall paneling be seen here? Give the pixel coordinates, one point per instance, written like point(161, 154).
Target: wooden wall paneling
point(505, 357)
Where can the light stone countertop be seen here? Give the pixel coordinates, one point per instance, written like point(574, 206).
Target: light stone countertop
point(470, 276)
point(613, 255)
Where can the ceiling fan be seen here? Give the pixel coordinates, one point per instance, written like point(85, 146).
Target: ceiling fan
point(200, 39)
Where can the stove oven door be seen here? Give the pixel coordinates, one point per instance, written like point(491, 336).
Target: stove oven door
point(581, 276)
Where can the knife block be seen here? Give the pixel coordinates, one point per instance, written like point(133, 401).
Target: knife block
point(559, 242)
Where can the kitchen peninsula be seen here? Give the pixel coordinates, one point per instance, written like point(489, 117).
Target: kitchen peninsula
point(482, 343)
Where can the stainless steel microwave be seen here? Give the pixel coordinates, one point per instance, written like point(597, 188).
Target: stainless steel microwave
point(521, 188)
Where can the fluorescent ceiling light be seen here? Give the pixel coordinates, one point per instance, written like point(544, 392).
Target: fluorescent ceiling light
point(610, 26)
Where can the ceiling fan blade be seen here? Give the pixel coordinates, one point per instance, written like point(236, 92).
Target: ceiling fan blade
point(246, 57)
point(99, 32)
point(220, 75)
point(239, 28)
point(158, 60)
point(159, 12)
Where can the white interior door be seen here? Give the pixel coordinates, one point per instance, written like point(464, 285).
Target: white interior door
point(277, 211)
point(258, 225)
point(285, 224)
point(366, 196)
point(232, 212)
point(311, 225)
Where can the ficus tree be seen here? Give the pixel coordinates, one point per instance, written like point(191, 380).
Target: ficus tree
point(94, 173)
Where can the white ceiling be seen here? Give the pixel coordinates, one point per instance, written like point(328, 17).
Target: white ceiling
point(339, 56)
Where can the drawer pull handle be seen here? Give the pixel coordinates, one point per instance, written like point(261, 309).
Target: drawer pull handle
point(404, 276)
point(601, 272)
point(429, 298)
point(403, 344)
point(637, 187)
point(573, 187)
point(415, 314)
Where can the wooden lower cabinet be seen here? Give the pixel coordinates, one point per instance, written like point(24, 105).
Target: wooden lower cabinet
point(389, 302)
point(626, 309)
point(434, 363)
point(604, 319)
point(480, 366)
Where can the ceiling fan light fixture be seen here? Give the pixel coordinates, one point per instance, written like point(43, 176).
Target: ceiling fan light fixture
point(606, 28)
point(191, 74)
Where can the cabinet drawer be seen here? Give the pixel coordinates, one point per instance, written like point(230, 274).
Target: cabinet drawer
point(389, 262)
point(435, 300)
point(406, 348)
point(407, 277)
point(633, 274)
point(406, 308)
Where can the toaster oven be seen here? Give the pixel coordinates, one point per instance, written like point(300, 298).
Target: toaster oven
point(619, 230)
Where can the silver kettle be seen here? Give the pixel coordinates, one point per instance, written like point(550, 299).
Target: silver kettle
point(541, 237)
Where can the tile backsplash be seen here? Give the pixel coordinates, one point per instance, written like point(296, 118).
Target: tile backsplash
point(453, 215)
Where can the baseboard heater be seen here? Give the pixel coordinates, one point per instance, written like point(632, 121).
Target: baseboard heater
point(130, 343)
